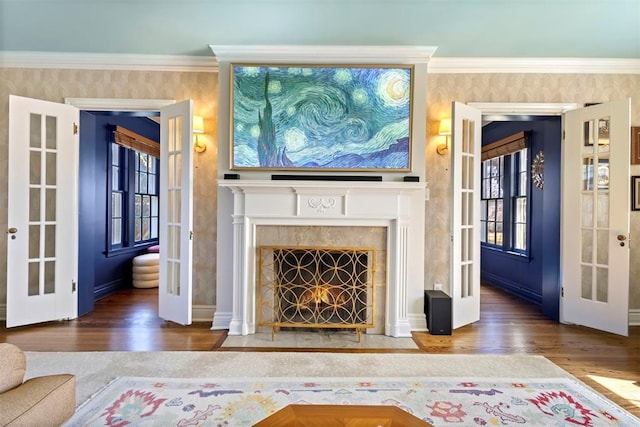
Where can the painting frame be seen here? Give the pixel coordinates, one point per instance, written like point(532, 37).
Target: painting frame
point(321, 117)
point(635, 193)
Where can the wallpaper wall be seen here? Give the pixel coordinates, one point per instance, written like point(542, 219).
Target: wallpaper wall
point(55, 85)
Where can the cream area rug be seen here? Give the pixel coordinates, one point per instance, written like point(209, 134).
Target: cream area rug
point(442, 401)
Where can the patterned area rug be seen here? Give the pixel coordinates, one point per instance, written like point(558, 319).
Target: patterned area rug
point(439, 401)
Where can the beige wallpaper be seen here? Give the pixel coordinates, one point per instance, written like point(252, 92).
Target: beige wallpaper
point(55, 85)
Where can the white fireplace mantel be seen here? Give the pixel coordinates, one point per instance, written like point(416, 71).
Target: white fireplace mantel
point(398, 206)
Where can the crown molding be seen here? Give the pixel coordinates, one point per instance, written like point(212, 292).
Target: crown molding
point(319, 54)
point(107, 61)
point(535, 65)
point(345, 54)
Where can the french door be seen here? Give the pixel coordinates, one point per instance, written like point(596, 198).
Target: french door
point(42, 211)
point(595, 217)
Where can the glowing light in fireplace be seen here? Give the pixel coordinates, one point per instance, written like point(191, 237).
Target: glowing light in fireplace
point(322, 294)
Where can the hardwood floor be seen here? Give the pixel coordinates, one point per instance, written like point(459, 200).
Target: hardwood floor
point(128, 321)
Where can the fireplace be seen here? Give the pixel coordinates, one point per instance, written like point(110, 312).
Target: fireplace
point(330, 214)
point(316, 287)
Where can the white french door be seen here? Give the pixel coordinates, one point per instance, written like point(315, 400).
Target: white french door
point(465, 250)
point(176, 212)
point(595, 217)
point(42, 211)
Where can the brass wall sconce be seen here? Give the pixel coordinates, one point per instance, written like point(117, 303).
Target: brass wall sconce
point(198, 128)
point(445, 130)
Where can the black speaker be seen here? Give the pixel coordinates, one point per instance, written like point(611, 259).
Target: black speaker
point(437, 308)
point(231, 176)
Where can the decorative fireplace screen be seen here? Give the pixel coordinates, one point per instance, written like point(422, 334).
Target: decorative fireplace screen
point(316, 287)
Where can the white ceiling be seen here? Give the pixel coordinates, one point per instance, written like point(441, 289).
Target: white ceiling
point(458, 28)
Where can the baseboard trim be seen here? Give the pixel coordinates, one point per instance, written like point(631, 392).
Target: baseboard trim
point(221, 320)
point(204, 313)
point(418, 321)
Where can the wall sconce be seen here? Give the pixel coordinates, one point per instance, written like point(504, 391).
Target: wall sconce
point(198, 127)
point(444, 129)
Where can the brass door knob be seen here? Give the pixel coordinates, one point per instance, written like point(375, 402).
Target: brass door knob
point(622, 237)
point(12, 230)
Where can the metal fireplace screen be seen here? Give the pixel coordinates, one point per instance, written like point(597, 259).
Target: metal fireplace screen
point(316, 287)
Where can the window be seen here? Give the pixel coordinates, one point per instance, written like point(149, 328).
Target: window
point(134, 198)
point(146, 197)
point(504, 194)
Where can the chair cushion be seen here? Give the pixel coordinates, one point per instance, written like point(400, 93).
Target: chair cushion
point(13, 365)
point(42, 401)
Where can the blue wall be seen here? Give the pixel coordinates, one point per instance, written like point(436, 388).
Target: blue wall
point(100, 275)
point(534, 277)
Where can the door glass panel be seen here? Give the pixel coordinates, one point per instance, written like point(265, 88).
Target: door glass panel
point(178, 170)
point(176, 288)
point(177, 199)
point(587, 173)
point(587, 282)
point(587, 246)
point(464, 253)
point(51, 168)
point(587, 210)
point(603, 210)
point(50, 207)
point(171, 132)
point(50, 241)
point(34, 204)
point(602, 287)
point(34, 167)
point(34, 241)
point(603, 135)
point(463, 281)
point(51, 130)
point(35, 130)
point(603, 173)
point(464, 170)
point(34, 279)
point(49, 277)
point(179, 133)
point(603, 247)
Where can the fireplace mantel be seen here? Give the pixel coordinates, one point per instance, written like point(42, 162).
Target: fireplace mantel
point(398, 206)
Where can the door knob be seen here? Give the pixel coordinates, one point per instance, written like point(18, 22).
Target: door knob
point(12, 230)
point(622, 237)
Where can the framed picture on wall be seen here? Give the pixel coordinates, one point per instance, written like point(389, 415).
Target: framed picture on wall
point(635, 193)
point(321, 117)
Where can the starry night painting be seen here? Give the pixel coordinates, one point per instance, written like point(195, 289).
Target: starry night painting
point(321, 117)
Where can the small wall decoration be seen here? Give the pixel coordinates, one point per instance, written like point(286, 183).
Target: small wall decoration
point(635, 193)
point(321, 117)
point(537, 170)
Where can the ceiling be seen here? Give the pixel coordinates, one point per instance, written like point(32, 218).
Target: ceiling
point(458, 28)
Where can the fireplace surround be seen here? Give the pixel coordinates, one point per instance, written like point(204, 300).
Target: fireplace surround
point(398, 207)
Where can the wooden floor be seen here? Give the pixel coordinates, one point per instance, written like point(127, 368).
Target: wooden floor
point(129, 321)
